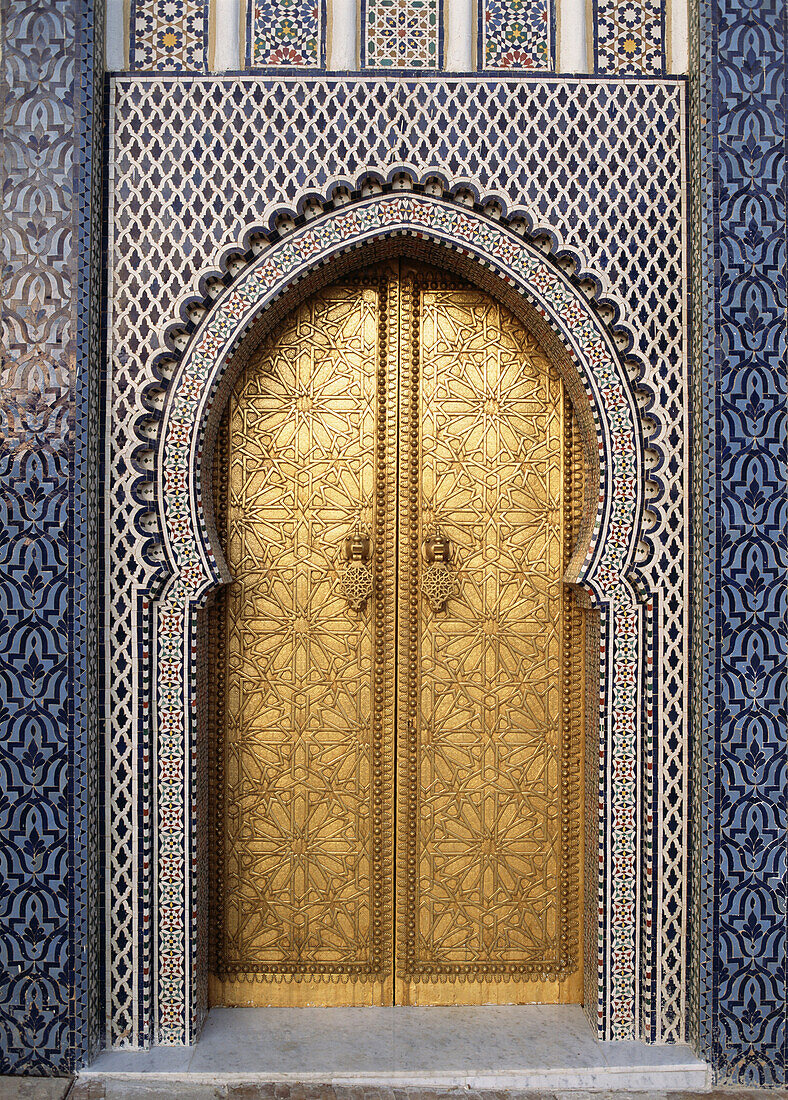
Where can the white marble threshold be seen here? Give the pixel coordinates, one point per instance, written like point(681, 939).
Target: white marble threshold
point(492, 1047)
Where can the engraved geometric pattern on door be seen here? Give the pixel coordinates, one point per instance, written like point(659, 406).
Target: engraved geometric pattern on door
point(398, 408)
point(304, 758)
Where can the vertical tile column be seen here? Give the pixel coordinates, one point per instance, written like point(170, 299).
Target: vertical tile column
point(516, 34)
point(286, 34)
point(169, 35)
point(741, 517)
point(49, 806)
point(629, 37)
point(401, 34)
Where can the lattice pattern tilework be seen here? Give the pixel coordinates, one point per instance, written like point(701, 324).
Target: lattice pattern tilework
point(266, 145)
point(743, 517)
point(169, 35)
point(286, 33)
point(516, 34)
point(47, 1015)
point(401, 34)
point(629, 37)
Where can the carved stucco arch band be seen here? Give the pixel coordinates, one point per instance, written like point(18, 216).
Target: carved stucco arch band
point(193, 564)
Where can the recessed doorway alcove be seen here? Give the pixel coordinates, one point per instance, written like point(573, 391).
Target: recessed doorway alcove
point(593, 564)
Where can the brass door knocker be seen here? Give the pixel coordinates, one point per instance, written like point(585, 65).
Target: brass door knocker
point(438, 582)
point(356, 582)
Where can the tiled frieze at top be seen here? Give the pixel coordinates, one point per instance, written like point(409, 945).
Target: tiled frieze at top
point(612, 37)
point(286, 34)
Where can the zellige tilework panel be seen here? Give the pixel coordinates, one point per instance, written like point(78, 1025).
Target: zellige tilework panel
point(264, 145)
point(169, 35)
point(560, 308)
point(401, 34)
point(286, 33)
point(629, 37)
point(48, 1011)
point(516, 34)
point(743, 517)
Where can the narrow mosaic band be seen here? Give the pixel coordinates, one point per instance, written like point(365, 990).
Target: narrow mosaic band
point(629, 37)
point(516, 34)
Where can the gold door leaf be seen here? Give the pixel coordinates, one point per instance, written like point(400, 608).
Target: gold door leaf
point(481, 761)
point(303, 889)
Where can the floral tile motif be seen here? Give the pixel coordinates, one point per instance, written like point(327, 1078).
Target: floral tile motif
point(629, 37)
point(738, 49)
point(517, 34)
point(169, 35)
point(286, 34)
point(50, 224)
point(401, 34)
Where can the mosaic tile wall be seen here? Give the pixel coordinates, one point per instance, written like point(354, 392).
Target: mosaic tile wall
point(740, 523)
point(49, 561)
point(516, 34)
point(629, 37)
point(169, 35)
point(286, 139)
point(49, 591)
point(286, 33)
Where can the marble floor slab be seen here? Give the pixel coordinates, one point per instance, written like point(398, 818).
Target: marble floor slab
point(34, 1088)
point(492, 1047)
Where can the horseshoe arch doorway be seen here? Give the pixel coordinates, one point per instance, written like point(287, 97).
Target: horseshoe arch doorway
point(399, 667)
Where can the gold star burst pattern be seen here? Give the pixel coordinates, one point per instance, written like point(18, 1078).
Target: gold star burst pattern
point(299, 756)
point(486, 834)
point(420, 418)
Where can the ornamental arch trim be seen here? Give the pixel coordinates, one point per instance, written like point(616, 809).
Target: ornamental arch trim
point(261, 285)
point(471, 239)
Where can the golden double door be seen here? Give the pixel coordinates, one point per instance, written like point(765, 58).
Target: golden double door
point(398, 662)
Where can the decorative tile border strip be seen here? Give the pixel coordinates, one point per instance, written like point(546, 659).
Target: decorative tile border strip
point(286, 34)
point(516, 34)
point(169, 35)
point(629, 37)
point(401, 34)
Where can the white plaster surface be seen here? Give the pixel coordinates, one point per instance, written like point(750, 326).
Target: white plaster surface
point(458, 36)
point(572, 36)
point(227, 35)
point(116, 18)
point(341, 41)
point(677, 36)
point(501, 1047)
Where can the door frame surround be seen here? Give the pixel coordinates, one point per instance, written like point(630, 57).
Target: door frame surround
point(194, 379)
